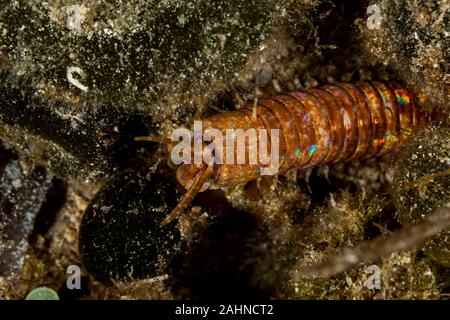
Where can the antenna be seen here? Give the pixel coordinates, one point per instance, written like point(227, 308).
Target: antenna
point(187, 198)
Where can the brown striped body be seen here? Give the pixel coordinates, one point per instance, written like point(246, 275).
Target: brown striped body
point(317, 126)
point(324, 125)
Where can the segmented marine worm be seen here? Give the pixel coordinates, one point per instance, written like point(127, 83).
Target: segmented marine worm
point(324, 125)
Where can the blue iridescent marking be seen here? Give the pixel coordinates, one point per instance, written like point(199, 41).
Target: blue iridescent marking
point(297, 152)
point(403, 99)
point(312, 149)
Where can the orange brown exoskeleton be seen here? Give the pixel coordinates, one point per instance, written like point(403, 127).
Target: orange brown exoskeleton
point(323, 125)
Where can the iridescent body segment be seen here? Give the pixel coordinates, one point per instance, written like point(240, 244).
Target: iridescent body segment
point(324, 125)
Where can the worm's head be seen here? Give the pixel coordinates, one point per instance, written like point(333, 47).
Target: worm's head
point(187, 174)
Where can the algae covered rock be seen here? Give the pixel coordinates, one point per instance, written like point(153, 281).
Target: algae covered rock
point(74, 138)
point(412, 39)
point(120, 236)
point(137, 53)
point(422, 185)
point(23, 189)
point(79, 81)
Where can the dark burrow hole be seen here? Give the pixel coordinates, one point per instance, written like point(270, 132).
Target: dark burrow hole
point(443, 279)
point(5, 156)
point(224, 101)
point(123, 150)
point(319, 187)
point(65, 293)
point(55, 199)
point(383, 221)
point(219, 265)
